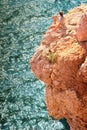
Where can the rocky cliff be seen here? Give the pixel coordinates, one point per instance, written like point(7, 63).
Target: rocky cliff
point(61, 62)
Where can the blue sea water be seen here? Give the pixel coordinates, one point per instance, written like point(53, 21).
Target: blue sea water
point(22, 95)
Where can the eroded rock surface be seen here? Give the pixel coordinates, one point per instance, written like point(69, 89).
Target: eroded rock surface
point(82, 28)
point(61, 62)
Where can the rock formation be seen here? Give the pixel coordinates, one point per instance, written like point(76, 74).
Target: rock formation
point(81, 29)
point(61, 62)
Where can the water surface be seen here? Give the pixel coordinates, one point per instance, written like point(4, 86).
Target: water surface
point(22, 95)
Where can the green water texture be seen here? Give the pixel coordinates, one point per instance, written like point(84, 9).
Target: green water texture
point(22, 95)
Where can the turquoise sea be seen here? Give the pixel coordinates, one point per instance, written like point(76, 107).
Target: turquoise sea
point(22, 95)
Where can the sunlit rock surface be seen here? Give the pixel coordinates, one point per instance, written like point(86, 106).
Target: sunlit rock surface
point(61, 62)
point(82, 27)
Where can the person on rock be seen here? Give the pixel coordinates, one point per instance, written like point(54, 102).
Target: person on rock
point(58, 21)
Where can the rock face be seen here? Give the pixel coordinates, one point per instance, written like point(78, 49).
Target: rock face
point(82, 28)
point(61, 62)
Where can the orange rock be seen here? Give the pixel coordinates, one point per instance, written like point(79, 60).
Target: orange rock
point(82, 28)
point(66, 78)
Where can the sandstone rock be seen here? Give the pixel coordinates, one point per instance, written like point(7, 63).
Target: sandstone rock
point(82, 28)
point(66, 77)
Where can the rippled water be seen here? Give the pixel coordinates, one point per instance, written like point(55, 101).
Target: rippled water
point(22, 95)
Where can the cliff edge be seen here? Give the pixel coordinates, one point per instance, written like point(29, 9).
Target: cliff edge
point(61, 62)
